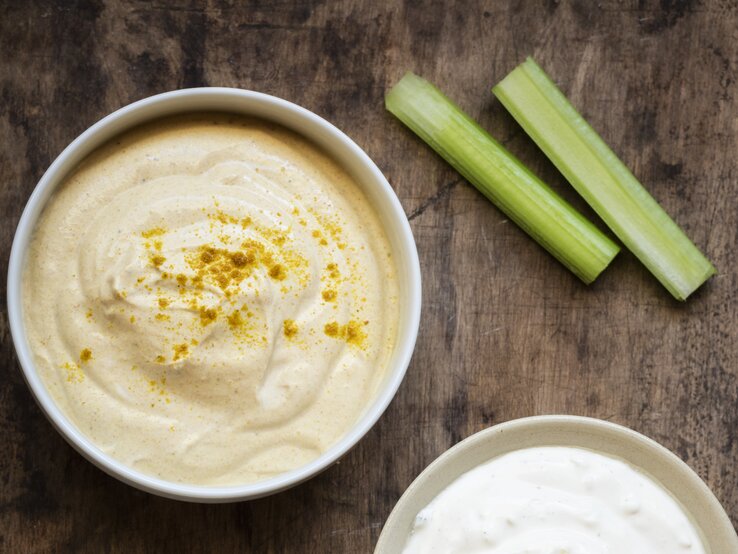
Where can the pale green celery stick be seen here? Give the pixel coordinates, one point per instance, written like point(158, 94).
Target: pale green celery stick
point(601, 178)
point(558, 227)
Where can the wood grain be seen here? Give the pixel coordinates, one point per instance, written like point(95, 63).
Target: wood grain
point(506, 332)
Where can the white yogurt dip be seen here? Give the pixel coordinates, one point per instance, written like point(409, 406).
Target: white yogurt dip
point(211, 300)
point(554, 500)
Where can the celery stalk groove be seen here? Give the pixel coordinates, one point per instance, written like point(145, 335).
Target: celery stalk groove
point(485, 163)
point(602, 179)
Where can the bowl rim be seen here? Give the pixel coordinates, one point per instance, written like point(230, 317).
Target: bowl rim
point(264, 106)
point(445, 469)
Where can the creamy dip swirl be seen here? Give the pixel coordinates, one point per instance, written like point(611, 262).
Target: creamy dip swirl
point(553, 500)
point(211, 300)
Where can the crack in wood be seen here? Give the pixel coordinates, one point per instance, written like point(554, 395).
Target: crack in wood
point(441, 194)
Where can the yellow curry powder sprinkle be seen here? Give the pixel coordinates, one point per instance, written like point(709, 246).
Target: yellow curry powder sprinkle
point(159, 388)
point(180, 351)
point(85, 355)
point(157, 259)
point(289, 328)
point(240, 259)
point(74, 373)
point(329, 295)
point(223, 217)
point(353, 332)
point(207, 315)
point(332, 329)
point(153, 232)
point(226, 219)
point(278, 272)
point(235, 321)
point(222, 268)
point(225, 269)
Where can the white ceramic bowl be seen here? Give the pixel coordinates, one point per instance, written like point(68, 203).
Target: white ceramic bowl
point(648, 456)
point(320, 132)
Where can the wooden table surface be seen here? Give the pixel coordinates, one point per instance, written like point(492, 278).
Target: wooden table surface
point(506, 332)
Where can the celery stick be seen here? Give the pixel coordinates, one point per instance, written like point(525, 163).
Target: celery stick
point(558, 227)
point(601, 178)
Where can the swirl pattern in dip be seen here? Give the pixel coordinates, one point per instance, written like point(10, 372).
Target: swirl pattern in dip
point(211, 300)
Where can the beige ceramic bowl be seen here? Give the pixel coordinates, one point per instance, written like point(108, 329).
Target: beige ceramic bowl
point(648, 456)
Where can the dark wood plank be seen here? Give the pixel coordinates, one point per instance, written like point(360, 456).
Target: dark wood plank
point(506, 332)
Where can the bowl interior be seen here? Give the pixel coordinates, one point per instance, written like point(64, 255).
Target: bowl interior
point(649, 457)
point(345, 152)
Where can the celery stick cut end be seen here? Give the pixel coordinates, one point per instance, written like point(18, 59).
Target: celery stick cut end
point(682, 293)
